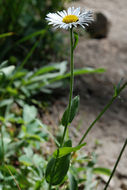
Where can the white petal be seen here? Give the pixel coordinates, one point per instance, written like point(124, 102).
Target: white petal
point(72, 10)
point(65, 12)
point(61, 13)
point(69, 11)
point(77, 11)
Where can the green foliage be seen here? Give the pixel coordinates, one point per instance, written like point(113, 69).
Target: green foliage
point(73, 182)
point(57, 168)
point(29, 113)
point(74, 108)
point(17, 85)
point(24, 23)
point(117, 88)
point(22, 135)
point(76, 38)
point(67, 150)
point(99, 170)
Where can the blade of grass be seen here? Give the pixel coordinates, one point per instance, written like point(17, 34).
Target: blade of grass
point(40, 32)
point(6, 34)
point(28, 56)
point(13, 177)
point(79, 72)
point(76, 73)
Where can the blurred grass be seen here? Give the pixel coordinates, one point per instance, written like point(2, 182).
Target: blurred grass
point(26, 21)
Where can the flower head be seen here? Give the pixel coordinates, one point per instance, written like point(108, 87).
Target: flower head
point(70, 18)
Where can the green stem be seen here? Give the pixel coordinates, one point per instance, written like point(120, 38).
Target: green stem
point(50, 186)
point(71, 82)
point(116, 164)
point(70, 96)
point(3, 153)
point(2, 144)
point(102, 112)
point(27, 57)
point(98, 117)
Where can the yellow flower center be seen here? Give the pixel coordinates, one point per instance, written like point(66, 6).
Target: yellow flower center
point(70, 18)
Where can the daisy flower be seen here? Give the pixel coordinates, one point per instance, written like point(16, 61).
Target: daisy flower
point(70, 18)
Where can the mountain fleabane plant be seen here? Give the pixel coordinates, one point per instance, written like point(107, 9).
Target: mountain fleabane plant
point(58, 166)
point(59, 163)
point(68, 20)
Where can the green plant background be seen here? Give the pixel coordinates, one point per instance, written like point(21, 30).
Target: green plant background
point(25, 19)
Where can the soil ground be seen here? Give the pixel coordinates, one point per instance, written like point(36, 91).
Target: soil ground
point(96, 90)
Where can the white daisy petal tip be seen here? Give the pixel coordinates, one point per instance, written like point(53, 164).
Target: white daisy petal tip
point(70, 18)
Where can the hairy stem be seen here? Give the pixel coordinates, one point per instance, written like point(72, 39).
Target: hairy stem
point(71, 81)
point(70, 96)
point(50, 187)
point(2, 145)
point(3, 153)
point(98, 117)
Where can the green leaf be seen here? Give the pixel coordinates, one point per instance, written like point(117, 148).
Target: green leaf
point(2, 76)
point(51, 68)
point(27, 161)
point(73, 182)
point(40, 32)
point(64, 120)
point(76, 38)
point(117, 88)
point(6, 34)
point(74, 108)
point(8, 70)
point(57, 168)
point(6, 102)
point(104, 171)
point(43, 70)
point(33, 137)
point(68, 143)
point(10, 167)
point(12, 91)
point(77, 72)
point(67, 150)
point(29, 113)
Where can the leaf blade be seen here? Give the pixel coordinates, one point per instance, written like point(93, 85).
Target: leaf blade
point(68, 117)
point(74, 108)
point(67, 150)
point(76, 39)
point(57, 168)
